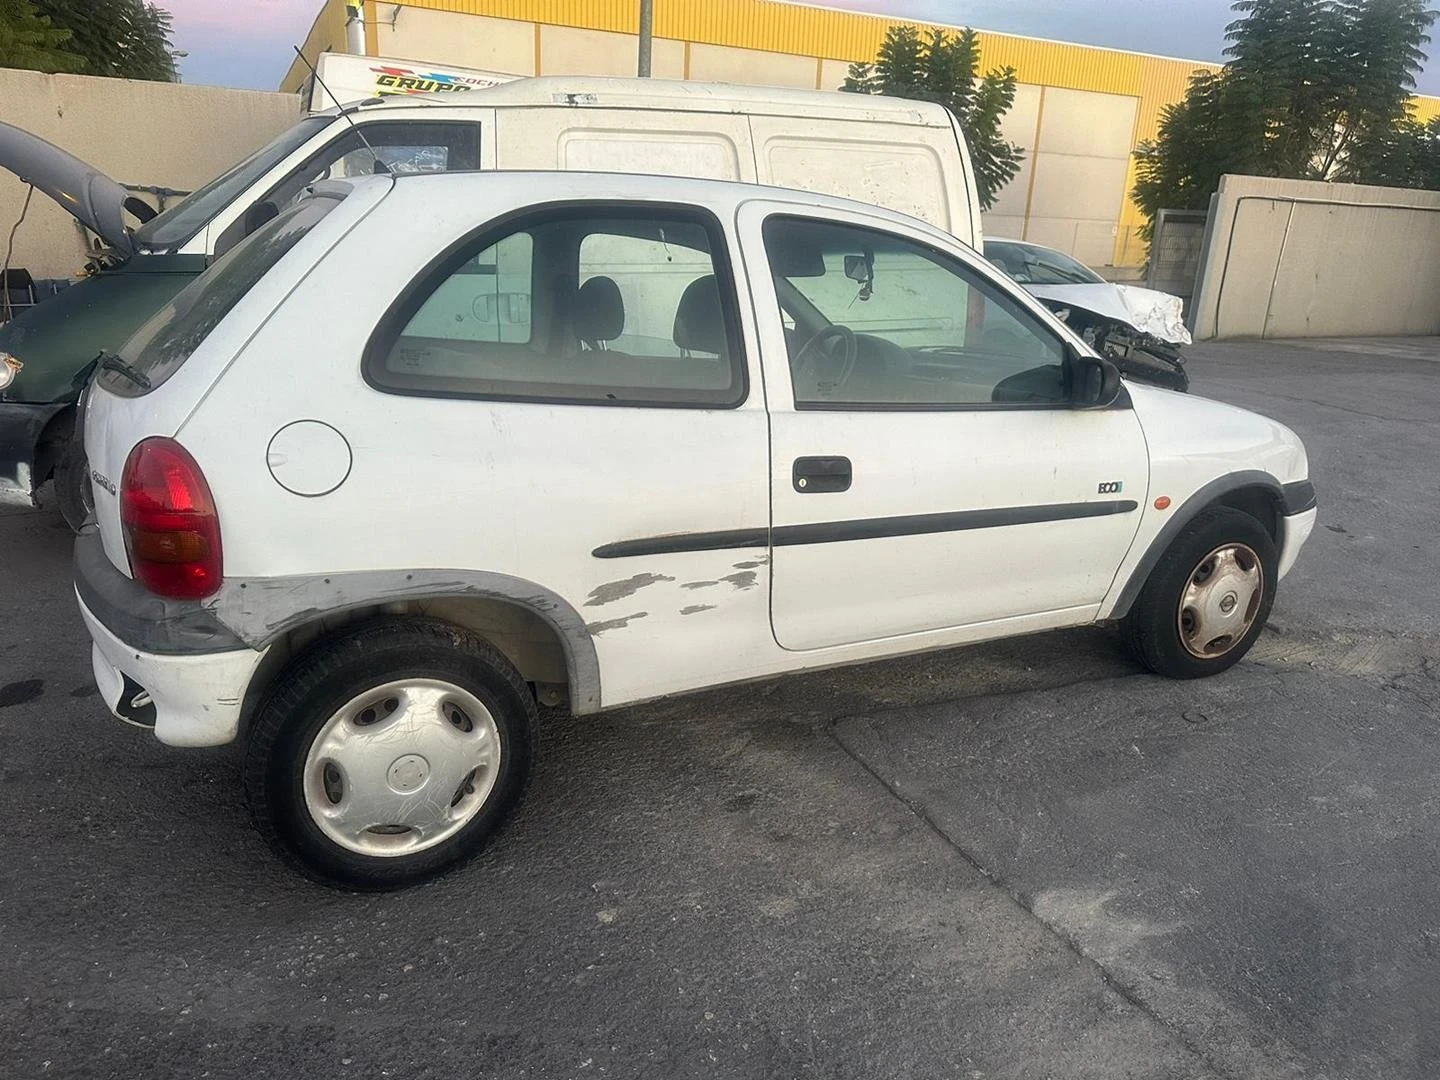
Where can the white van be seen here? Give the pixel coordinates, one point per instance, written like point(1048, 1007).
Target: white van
point(903, 155)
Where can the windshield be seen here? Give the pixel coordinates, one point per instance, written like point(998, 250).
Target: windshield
point(165, 342)
point(192, 213)
point(1031, 265)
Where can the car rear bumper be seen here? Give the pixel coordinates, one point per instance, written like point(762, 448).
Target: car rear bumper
point(21, 425)
point(187, 700)
point(163, 664)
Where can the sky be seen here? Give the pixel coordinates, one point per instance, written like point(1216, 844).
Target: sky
point(246, 43)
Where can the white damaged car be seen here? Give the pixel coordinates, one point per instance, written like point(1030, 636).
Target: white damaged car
point(1140, 330)
point(424, 451)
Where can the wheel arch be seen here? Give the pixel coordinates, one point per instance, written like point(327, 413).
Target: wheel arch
point(537, 630)
point(1251, 491)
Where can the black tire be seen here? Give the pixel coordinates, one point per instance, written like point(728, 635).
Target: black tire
point(319, 682)
point(1153, 626)
point(73, 493)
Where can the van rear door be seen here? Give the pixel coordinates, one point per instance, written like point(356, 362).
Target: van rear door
point(917, 169)
point(715, 146)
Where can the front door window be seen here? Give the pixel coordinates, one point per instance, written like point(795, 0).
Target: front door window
point(876, 320)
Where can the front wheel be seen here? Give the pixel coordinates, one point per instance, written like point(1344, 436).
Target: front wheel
point(389, 754)
point(1208, 597)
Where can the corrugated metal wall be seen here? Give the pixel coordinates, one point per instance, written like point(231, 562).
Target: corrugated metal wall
point(326, 33)
point(808, 31)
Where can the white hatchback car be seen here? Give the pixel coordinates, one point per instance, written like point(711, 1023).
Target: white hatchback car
point(423, 451)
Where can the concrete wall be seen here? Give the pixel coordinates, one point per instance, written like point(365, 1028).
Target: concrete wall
point(1301, 258)
point(157, 134)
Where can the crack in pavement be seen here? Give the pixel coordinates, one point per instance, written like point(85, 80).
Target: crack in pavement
point(1019, 900)
point(1384, 657)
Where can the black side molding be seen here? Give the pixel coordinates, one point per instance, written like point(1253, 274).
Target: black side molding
point(701, 541)
point(830, 532)
point(1298, 497)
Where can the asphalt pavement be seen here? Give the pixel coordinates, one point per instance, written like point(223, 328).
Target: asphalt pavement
point(1024, 859)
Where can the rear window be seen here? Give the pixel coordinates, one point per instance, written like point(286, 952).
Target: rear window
point(166, 341)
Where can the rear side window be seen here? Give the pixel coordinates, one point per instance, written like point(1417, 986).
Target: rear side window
point(610, 306)
point(166, 341)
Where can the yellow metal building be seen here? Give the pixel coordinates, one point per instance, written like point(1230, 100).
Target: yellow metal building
point(1079, 111)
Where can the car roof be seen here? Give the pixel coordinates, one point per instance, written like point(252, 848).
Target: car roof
point(669, 94)
point(513, 187)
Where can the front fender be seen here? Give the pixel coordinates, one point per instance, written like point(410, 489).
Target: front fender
point(1203, 452)
point(1289, 499)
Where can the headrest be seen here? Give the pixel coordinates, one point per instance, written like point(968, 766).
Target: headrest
point(700, 320)
point(599, 311)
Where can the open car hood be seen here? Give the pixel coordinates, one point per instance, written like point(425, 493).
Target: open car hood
point(1147, 310)
point(96, 201)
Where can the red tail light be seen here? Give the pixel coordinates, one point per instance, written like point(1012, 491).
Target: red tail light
point(172, 533)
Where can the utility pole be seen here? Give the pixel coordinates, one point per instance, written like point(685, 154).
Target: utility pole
point(647, 29)
point(355, 27)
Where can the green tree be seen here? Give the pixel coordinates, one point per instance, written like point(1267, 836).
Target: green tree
point(1406, 155)
point(941, 67)
point(28, 40)
point(1313, 89)
point(123, 39)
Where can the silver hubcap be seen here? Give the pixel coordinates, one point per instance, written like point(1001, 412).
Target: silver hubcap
point(1220, 601)
point(402, 767)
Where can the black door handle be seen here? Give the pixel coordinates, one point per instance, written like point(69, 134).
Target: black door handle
point(814, 475)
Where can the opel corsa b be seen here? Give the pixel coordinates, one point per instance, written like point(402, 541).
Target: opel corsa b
point(423, 451)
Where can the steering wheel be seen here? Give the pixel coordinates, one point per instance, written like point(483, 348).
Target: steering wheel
point(813, 350)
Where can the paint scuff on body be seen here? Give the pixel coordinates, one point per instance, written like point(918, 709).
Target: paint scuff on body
point(618, 590)
point(614, 624)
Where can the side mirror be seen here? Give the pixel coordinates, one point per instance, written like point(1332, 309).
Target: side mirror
point(861, 268)
point(1094, 383)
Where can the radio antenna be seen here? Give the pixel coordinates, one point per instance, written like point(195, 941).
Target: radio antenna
point(380, 166)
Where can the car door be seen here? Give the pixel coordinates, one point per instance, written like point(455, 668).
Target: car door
point(927, 469)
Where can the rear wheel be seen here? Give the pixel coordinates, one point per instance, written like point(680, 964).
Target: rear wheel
point(1208, 597)
point(389, 754)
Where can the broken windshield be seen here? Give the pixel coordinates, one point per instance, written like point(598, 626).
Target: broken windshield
point(191, 214)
